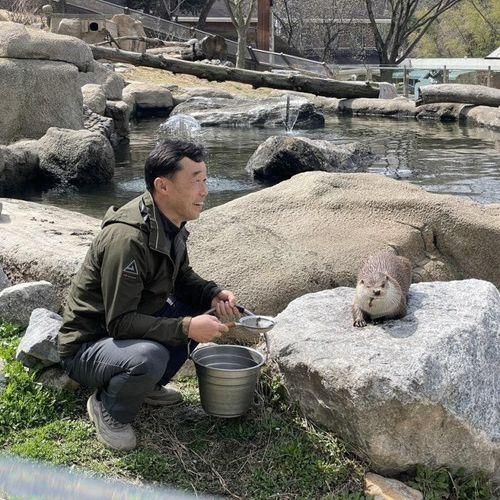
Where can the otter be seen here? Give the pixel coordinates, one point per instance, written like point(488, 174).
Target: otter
point(382, 288)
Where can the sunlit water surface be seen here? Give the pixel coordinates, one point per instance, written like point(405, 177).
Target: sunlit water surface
point(440, 157)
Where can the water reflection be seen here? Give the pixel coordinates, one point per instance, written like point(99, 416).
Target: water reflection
point(441, 157)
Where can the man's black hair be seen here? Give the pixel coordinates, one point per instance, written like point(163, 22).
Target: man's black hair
point(164, 160)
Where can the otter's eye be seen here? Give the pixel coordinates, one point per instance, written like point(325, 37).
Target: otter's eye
point(382, 285)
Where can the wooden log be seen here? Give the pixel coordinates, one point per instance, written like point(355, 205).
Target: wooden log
point(299, 83)
point(150, 41)
point(456, 92)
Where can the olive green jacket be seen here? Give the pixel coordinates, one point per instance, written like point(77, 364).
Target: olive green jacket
point(125, 279)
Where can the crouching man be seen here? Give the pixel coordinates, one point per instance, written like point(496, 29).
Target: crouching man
point(135, 308)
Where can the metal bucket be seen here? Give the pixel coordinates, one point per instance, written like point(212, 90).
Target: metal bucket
point(227, 376)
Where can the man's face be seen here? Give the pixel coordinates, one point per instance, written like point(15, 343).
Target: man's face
point(185, 192)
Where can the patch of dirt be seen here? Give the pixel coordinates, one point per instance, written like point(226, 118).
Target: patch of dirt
point(152, 75)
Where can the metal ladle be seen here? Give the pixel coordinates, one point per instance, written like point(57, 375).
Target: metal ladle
point(253, 322)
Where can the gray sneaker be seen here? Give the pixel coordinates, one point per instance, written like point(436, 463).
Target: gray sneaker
point(110, 432)
point(163, 396)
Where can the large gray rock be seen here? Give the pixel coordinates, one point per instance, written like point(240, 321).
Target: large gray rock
point(37, 95)
point(42, 242)
point(76, 156)
point(18, 166)
point(280, 157)
point(313, 231)
point(38, 347)
point(423, 389)
point(305, 234)
point(400, 107)
point(17, 302)
point(269, 113)
point(19, 42)
point(94, 98)
point(102, 74)
point(147, 99)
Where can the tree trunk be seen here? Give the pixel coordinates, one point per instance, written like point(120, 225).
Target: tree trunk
point(202, 20)
point(242, 47)
point(455, 92)
point(313, 85)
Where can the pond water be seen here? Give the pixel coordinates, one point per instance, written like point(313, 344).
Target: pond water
point(440, 157)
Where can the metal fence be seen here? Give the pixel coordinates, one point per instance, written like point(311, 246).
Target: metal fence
point(409, 79)
point(406, 79)
point(169, 30)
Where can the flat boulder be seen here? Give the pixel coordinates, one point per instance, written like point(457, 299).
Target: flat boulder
point(17, 302)
point(38, 346)
point(398, 107)
point(19, 42)
point(42, 242)
point(420, 390)
point(76, 157)
point(264, 113)
point(146, 99)
point(281, 157)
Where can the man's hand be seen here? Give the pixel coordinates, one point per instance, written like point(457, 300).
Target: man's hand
point(206, 328)
point(225, 305)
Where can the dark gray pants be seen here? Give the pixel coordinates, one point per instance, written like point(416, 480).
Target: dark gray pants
point(125, 371)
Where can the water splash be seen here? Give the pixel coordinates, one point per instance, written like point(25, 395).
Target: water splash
point(179, 127)
point(290, 113)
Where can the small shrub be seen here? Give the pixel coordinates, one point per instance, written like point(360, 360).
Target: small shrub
point(441, 483)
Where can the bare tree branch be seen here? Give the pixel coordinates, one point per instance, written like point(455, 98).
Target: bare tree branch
point(395, 45)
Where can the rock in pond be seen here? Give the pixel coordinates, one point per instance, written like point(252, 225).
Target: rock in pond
point(281, 157)
point(420, 390)
point(76, 156)
point(264, 113)
point(148, 99)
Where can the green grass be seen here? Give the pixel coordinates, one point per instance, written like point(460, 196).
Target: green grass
point(271, 452)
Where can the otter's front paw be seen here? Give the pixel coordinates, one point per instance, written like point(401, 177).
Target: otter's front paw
point(359, 323)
